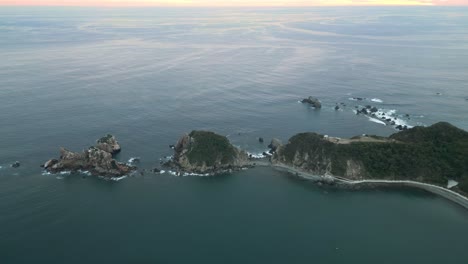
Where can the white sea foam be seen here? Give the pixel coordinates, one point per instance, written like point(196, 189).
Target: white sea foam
point(261, 155)
point(401, 122)
point(118, 178)
point(173, 173)
point(59, 177)
point(162, 171)
point(166, 158)
point(375, 100)
point(185, 174)
point(65, 172)
point(133, 160)
point(196, 174)
point(392, 114)
point(356, 98)
point(375, 120)
point(85, 172)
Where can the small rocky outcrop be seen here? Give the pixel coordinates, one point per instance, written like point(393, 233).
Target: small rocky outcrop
point(96, 160)
point(314, 102)
point(401, 127)
point(206, 152)
point(108, 144)
point(16, 164)
point(274, 145)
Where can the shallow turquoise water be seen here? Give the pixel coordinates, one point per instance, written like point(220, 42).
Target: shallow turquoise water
point(68, 76)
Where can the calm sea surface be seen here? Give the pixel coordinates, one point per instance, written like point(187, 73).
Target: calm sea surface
point(70, 75)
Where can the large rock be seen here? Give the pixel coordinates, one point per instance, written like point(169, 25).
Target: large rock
point(16, 164)
point(207, 152)
point(98, 162)
point(313, 102)
point(109, 144)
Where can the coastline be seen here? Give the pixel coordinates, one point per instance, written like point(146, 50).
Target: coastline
point(438, 190)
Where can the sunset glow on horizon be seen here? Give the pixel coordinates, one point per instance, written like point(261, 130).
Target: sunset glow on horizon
point(226, 3)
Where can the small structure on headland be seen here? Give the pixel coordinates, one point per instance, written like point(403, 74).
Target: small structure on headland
point(451, 183)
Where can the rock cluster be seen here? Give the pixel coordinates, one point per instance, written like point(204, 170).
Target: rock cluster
point(97, 160)
point(314, 102)
point(373, 111)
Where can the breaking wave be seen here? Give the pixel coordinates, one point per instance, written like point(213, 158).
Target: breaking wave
point(261, 155)
point(375, 120)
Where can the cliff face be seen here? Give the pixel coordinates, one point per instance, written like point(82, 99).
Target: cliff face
point(314, 153)
point(431, 154)
point(203, 151)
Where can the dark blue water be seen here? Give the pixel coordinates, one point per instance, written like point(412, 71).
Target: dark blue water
point(70, 75)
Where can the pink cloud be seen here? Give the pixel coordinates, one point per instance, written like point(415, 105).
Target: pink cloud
point(224, 3)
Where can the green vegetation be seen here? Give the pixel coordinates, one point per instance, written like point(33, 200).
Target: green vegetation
point(105, 139)
point(210, 148)
point(434, 153)
point(370, 136)
point(463, 185)
point(312, 144)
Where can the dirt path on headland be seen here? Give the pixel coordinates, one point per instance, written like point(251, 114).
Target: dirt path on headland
point(337, 140)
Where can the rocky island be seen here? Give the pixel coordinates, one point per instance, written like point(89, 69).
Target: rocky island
point(206, 152)
point(97, 160)
point(312, 101)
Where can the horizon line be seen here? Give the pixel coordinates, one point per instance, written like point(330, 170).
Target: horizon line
point(231, 6)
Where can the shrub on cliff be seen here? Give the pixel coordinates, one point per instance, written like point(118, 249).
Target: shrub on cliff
point(209, 148)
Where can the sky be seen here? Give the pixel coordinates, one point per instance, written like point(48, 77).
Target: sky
point(229, 2)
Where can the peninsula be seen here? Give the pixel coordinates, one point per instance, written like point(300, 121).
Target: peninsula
point(434, 154)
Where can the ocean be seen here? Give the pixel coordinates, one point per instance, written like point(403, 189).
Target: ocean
point(148, 75)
